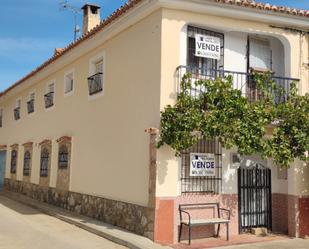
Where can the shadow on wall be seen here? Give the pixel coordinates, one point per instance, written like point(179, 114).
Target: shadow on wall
point(166, 155)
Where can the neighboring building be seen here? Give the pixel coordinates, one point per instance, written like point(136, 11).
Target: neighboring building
point(73, 130)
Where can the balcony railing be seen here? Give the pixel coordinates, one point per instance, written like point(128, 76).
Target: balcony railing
point(95, 83)
point(17, 113)
point(242, 81)
point(30, 106)
point(49, 99)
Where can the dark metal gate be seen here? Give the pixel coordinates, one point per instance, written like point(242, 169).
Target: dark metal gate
point(254, 198)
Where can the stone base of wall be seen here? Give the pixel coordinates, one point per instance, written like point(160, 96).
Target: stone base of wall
point(135, 218)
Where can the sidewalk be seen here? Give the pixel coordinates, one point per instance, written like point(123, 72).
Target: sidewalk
point(112, 233)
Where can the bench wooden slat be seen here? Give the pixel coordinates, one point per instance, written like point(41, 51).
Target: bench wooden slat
point(209, 221)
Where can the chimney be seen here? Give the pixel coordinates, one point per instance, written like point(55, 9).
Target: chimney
point(91, 17)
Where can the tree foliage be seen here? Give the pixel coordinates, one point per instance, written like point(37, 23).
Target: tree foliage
point(220, 111)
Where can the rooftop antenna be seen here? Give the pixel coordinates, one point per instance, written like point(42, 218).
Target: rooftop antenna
point(63, 5)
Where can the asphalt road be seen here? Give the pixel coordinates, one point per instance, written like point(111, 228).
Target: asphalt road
point(22, 227)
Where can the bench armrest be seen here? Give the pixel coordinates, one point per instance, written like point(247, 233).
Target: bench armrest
point(185, 212)
point(227, 211)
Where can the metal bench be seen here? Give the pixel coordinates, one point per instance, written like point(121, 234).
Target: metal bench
point(185, 209)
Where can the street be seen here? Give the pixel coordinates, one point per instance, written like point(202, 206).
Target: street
point(23, 227)
point(292, 243)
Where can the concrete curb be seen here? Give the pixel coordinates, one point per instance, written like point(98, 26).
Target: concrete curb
point(112, 233)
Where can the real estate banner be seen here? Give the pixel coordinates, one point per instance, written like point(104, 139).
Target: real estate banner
point(207, 46)
point(202, 164)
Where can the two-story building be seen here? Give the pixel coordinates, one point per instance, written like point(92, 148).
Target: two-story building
point(73, 130)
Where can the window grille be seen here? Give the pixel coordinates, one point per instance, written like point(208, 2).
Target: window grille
point(30, 103)
point(200, 62)
point(63, 156)
point(27, 163)
point(49, 99)
point(44, 163)
point(202, 184)
point(17, 113)
point(13, 161)
point(95, 83)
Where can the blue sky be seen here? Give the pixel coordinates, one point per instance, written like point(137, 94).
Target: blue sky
point(31, 29)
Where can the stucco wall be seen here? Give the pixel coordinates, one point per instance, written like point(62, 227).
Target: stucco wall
point(110, 155)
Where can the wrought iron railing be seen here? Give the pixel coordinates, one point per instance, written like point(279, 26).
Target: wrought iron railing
point(243, 81)
point(95, 83)
point(30, 106)
point(17, 113)
point(49, 99)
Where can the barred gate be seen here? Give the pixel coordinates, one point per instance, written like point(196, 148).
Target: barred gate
point(254, 198)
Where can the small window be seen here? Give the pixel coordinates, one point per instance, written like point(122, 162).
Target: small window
point(27, 163)
point(282, 173)
point(49, 96)
point(1, 117)
point(44, 162)
point(63, 156)
point(13, 161)
point(17, 109)
point(68, 82)
point(95, 81)
point(30, 103)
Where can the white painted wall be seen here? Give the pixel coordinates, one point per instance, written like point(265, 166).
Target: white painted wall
point(278, 57)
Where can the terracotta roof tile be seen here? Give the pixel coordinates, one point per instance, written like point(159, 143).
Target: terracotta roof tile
point(265, 6)
point(129, 5)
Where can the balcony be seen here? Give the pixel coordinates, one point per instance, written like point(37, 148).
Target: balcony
point(30, 106)
point(49, 99)
point(17, 113)
point(95, 83)
point(241, 81)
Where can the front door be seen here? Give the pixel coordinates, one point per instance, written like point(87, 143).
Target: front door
point(2, 167)
point(254, 197)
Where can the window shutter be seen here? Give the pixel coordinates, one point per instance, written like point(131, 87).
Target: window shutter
point(259, 54)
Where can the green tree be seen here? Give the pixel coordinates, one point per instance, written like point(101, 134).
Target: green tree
point(220, 111)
